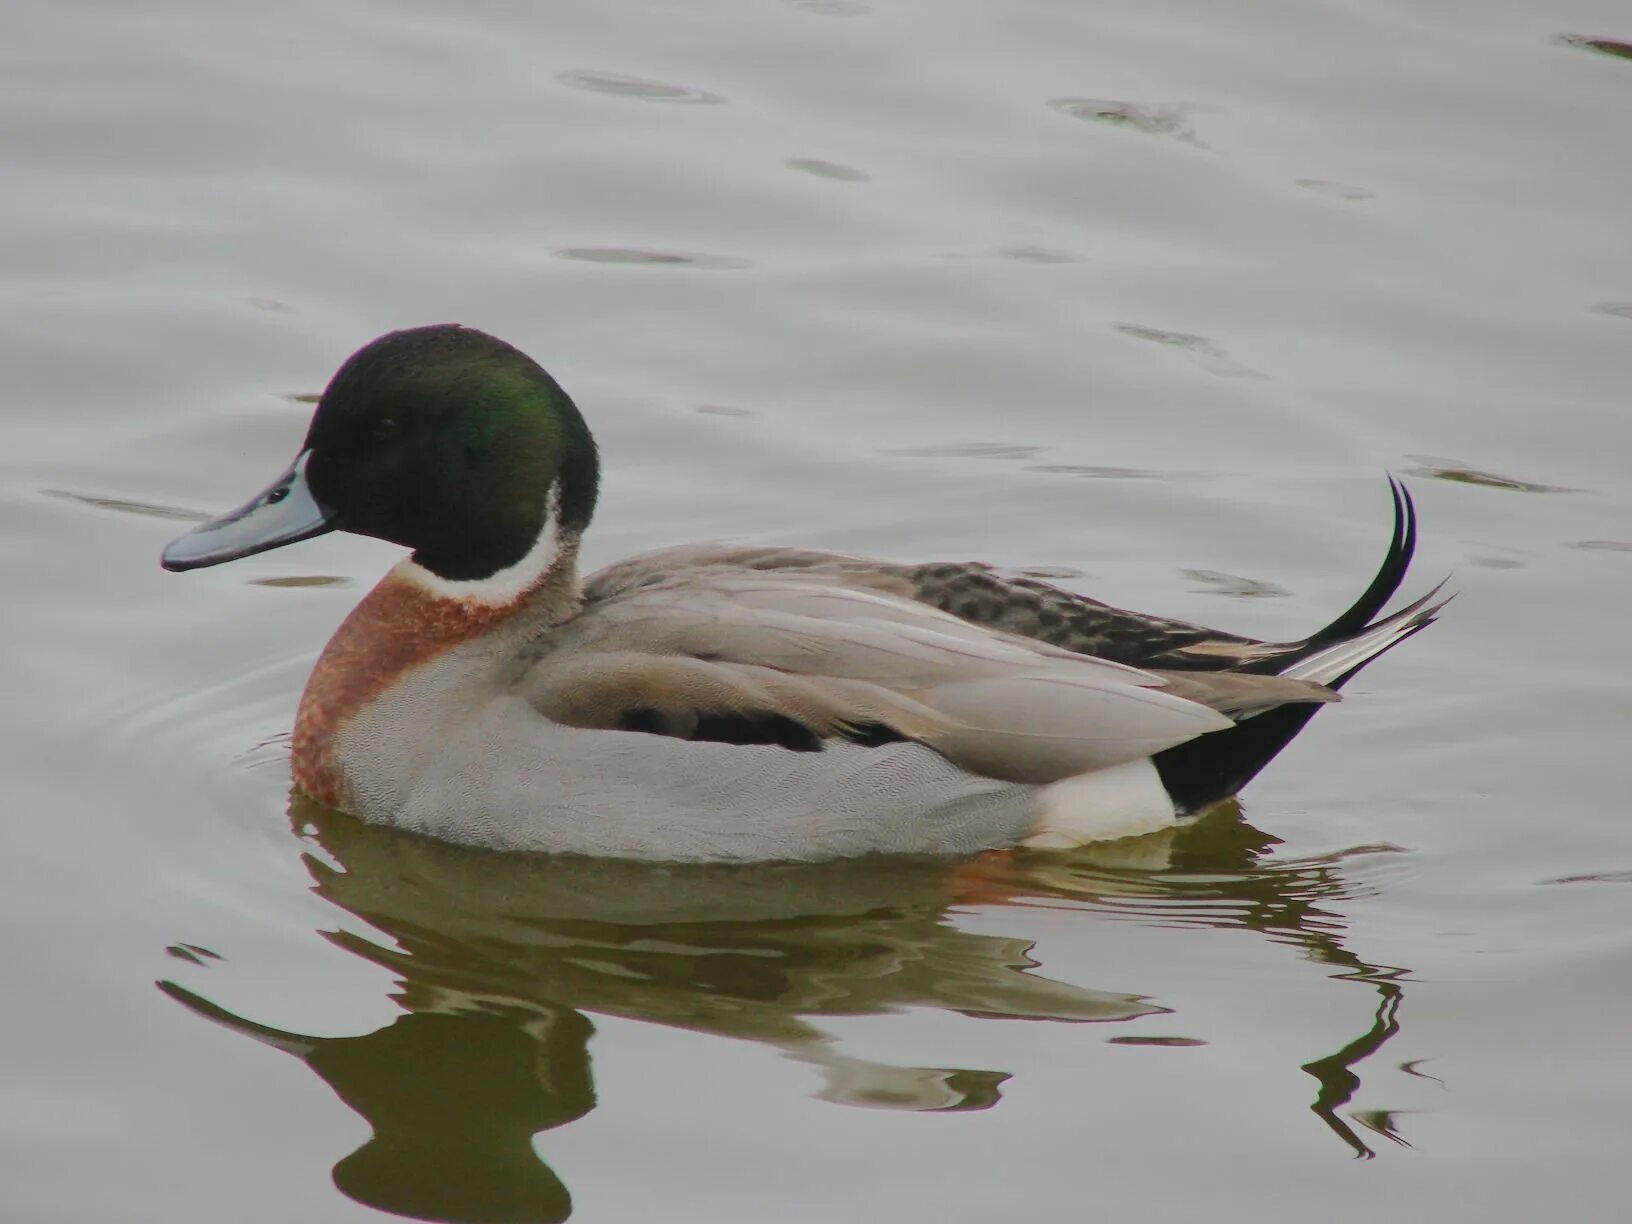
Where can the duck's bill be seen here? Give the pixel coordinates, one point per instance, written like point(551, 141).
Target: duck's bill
point(285, 511)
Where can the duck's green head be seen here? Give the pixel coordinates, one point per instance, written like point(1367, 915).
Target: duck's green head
point(442, 439)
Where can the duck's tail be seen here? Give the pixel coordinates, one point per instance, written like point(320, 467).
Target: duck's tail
point(1216, 766)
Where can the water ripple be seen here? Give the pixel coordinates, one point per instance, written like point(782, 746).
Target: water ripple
point(1603, 46)
point(1208, 355)
point(1603, 545)
point(302, 580)
point(647, 258)
point(1594, 877)
point(1462, 473)
point(639, 88)
point(1027, 253)
point(1170, 1042)
point(1152, 118)
point(1337, 191)
point(837, 171)
point(125, 505)
point(1215, 582)
point(968, 450)
point(1094, 471)
point(830, 8)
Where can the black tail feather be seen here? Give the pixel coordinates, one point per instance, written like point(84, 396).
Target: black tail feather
point(1398, 559)
point(1216, 766)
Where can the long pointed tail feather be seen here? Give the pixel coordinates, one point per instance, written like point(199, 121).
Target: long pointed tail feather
point(1332, 665)
point(1215, 766)
point(1389, 575)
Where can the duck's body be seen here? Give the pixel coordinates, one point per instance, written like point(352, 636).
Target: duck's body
point(727, 703)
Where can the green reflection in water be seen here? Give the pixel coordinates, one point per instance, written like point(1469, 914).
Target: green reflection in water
point(1213, 877)
point(454, 1099)
point(498, 958)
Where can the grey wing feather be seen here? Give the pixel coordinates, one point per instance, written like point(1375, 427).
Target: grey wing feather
point(976, 594)
point(677, 642)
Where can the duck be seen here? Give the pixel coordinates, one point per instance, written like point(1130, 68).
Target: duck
point(728, 702)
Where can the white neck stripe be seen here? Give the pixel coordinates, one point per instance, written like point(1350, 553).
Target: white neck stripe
point(553, 545)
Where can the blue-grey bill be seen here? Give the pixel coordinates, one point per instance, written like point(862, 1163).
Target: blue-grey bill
point(285, 511)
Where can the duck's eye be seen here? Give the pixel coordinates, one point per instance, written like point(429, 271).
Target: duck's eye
point(277, 495)
point(384, 430)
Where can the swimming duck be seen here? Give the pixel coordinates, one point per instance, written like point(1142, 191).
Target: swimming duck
point(714, 702)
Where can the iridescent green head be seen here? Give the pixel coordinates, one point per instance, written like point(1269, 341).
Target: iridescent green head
point(443, 439)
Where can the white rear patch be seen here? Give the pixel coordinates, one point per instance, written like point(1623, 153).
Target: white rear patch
point(1126, 800)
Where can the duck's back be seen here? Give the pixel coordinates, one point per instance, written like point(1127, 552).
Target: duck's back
point(974, 592)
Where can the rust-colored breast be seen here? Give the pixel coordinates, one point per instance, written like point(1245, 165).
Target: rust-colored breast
point(398, 627)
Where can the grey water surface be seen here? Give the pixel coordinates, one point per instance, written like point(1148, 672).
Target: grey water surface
point(1146, 297)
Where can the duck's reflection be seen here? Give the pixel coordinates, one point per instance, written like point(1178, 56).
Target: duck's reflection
point(499, 957)
point(1213, 874)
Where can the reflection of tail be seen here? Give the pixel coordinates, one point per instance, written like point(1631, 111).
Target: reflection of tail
point(1336, 1073)
point(1215, 766)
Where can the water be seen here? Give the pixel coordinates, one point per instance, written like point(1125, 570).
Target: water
point(1145, 297)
